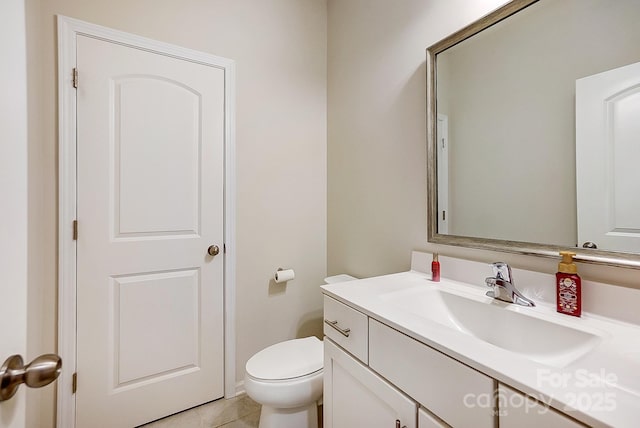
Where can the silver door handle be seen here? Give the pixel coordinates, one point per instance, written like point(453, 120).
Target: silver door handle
point(334, 324)
point(40, 372)
point(398, 424)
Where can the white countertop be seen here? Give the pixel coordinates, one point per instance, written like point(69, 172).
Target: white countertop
point(601, 388)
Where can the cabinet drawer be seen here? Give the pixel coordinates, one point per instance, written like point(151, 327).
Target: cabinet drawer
point(455, 393)
point(347, 327)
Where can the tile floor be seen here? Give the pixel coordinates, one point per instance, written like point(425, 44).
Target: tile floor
point(238, 412)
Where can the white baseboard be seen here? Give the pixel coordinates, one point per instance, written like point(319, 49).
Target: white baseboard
point(240, 388)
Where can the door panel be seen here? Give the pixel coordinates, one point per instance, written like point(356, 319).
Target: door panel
point(625, 128)
point(172, 309)
point(157, 168)
point(150, 202)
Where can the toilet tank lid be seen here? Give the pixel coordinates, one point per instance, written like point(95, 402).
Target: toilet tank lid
point(287, 360)
point(339, 278)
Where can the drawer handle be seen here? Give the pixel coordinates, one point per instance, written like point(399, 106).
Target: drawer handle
point(334, 324)
point(398, 424)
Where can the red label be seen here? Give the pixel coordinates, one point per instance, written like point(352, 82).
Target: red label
point(568, 296)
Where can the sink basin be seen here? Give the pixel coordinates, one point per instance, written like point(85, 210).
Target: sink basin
point(497, 323)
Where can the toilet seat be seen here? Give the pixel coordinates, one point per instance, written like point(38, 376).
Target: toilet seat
point(285, 394)
point(287, 360)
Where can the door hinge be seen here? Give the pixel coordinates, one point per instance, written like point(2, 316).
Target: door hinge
point(444, 215)
point(75, 230)
point(75, 78)
point(224, 248)
point(74, 383)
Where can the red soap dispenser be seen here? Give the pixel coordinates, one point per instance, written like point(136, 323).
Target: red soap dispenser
point(435, 268)
point(568, 286)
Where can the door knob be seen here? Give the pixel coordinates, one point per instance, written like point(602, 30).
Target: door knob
point(213, 250)
point(40, 372)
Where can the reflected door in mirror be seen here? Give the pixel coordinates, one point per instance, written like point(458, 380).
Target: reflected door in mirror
point(607, 153)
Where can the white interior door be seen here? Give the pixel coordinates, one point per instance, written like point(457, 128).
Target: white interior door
point(150, 180)
point(443, 174)
point(607, 155)
point(13, 189)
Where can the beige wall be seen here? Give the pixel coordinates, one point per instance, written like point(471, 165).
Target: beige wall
point(280, 51)
point(377, 126)
point(377, 137)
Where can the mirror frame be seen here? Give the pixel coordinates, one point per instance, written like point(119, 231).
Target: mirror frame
point(609, 258)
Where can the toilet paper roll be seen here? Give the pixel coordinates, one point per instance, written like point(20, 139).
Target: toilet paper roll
point(284, 275)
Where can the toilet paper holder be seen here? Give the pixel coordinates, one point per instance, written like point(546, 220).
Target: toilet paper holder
point(284, 275)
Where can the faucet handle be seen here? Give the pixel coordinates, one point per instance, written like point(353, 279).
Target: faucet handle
point(501, 270)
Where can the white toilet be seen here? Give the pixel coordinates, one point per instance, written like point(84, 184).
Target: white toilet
point(286, 379)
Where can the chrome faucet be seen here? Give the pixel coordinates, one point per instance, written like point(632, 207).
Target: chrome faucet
point(502, 286)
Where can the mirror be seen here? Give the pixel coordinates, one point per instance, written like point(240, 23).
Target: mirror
point(532, 149)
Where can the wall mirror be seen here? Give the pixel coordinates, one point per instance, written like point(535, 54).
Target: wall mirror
point(534, 131)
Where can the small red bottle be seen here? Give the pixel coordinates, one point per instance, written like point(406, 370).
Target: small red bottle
point(435, 268)
point(568, 286)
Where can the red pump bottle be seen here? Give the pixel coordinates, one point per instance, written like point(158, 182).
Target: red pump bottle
point(568, 286)
point(435, 268)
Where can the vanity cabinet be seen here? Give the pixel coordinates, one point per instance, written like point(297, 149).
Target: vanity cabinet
point(520, 411)
point(376, 376)
point(354, 396)
point(362, 357)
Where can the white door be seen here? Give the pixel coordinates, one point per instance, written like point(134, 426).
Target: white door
point(443, 174)
point(150, 183)
point(13, 191)
point(607, 159)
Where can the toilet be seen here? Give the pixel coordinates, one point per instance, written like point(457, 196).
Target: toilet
point(286, 379)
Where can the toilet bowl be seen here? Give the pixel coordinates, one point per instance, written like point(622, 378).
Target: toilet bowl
point(286, 379)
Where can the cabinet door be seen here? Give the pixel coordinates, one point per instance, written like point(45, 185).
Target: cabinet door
point(354, 396)
point(454, 392)
point(427, 420)
point(517, 410)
